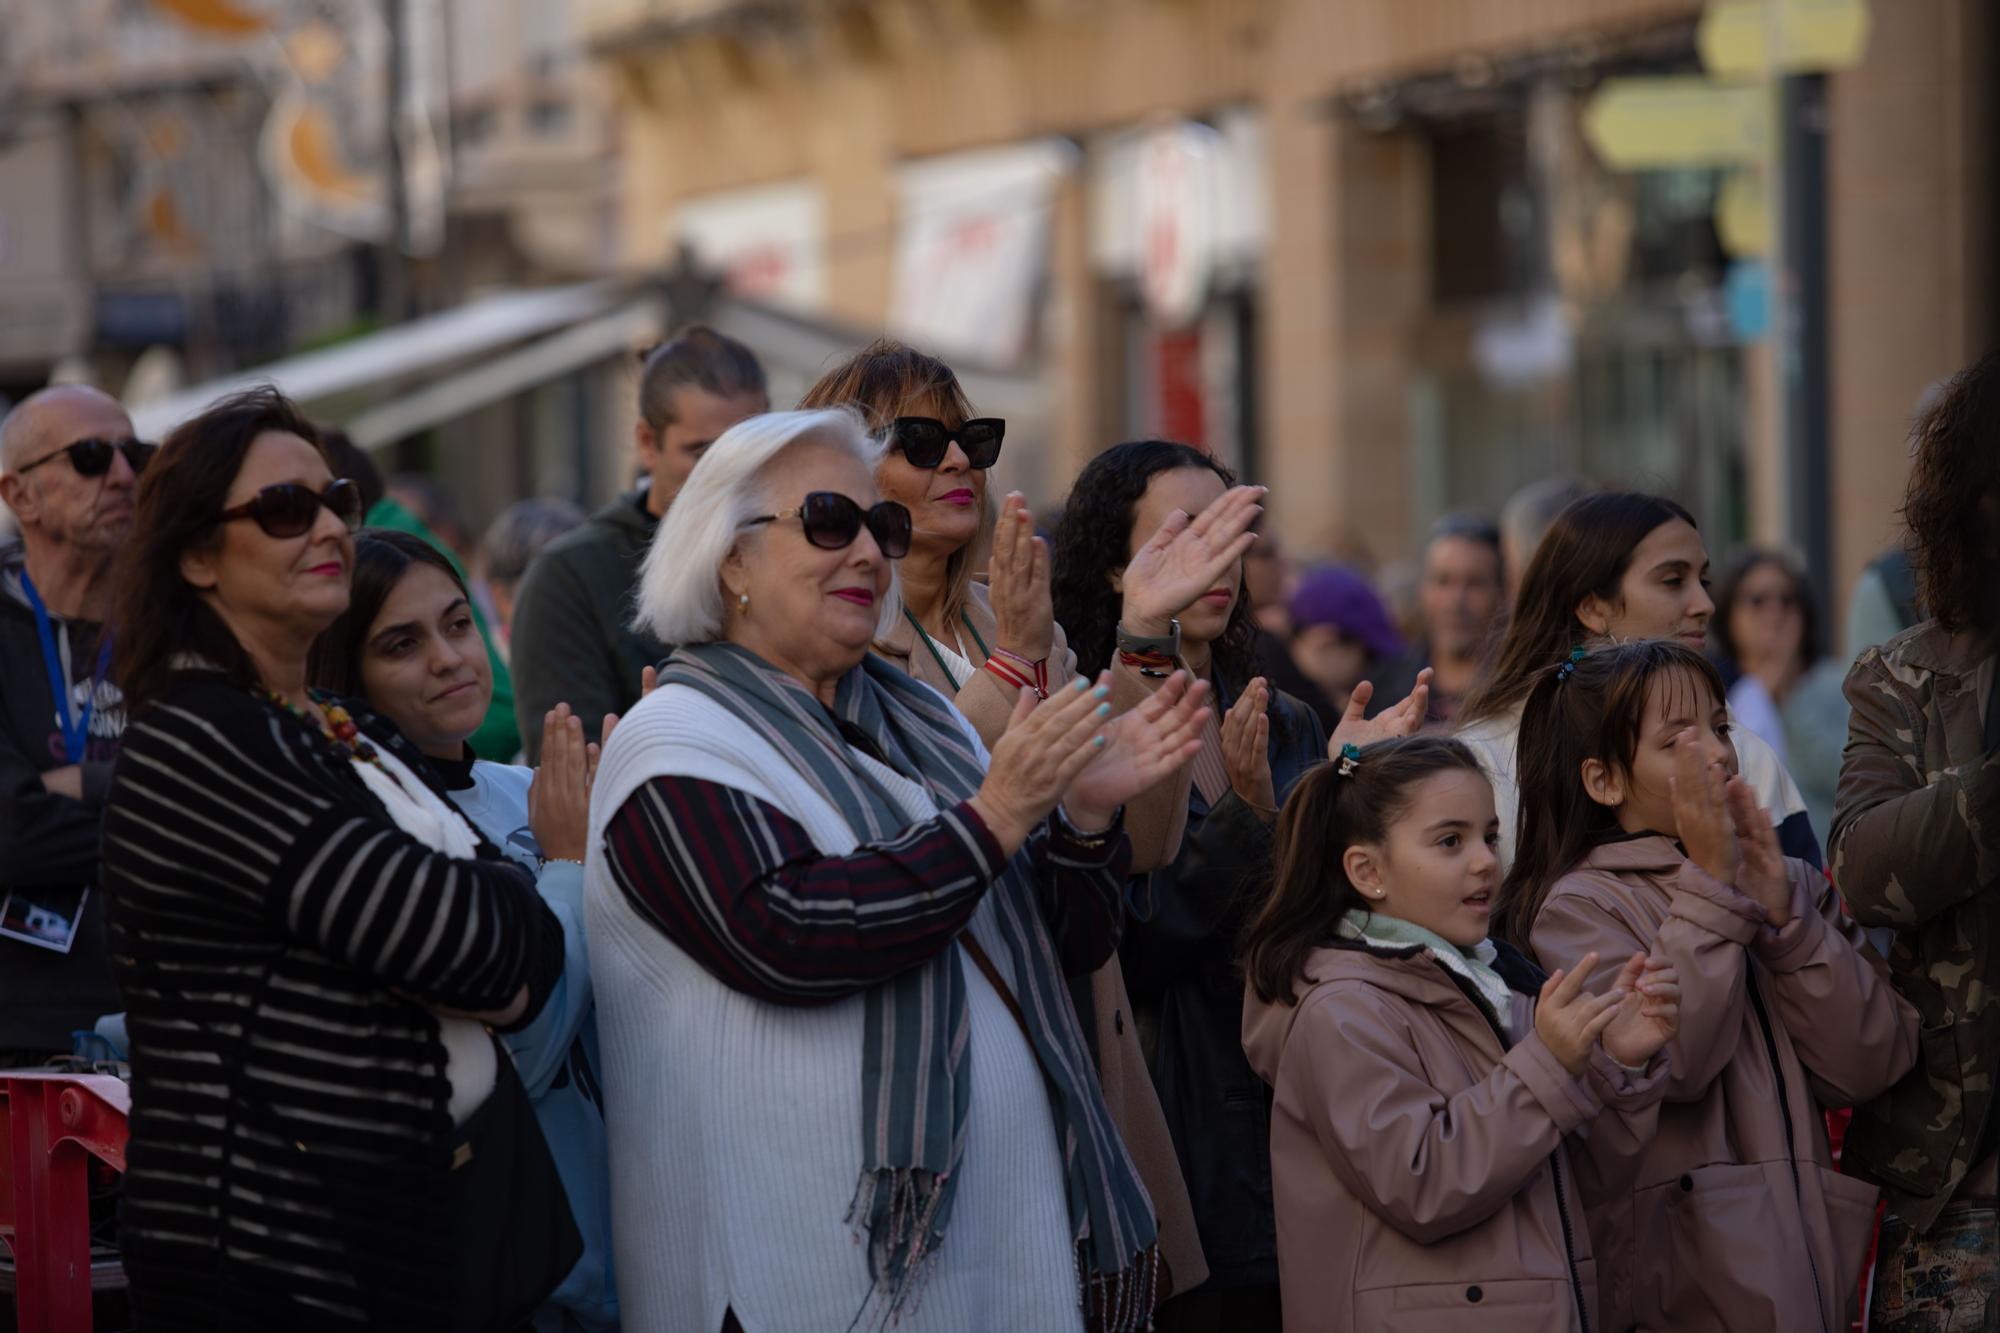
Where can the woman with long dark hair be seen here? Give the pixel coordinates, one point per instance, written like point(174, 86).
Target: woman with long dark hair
point(1179, 952)
point(320, 1118)
point(1615, 567)
point(408, 647)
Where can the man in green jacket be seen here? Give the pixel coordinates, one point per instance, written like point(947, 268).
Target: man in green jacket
point(572, 639)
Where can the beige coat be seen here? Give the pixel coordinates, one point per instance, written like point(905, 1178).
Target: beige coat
point(987, 703)
point(1734, 1218)
point(1418, 1162)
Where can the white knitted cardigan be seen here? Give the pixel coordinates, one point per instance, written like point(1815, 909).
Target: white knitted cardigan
point(735, 1123)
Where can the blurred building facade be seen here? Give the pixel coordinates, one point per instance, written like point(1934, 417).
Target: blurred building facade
point(1360, 249)
point(194, 188)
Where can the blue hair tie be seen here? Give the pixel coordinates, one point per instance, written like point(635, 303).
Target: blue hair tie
point(1350, 755)
point(1575, 656)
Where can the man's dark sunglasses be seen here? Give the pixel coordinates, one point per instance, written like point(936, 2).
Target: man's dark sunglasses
point(924, 440)
point(92, 457)
point(832, 522)
point(290, 510)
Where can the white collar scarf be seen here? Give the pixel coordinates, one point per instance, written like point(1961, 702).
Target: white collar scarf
point(1474, 964)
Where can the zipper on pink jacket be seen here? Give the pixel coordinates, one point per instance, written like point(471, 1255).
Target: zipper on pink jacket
point(1791, 1147)
point(1555, 1171)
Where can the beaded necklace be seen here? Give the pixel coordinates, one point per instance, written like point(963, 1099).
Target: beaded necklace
point(339, 727)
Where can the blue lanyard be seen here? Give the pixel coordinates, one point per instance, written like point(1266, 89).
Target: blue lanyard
point(76, 734)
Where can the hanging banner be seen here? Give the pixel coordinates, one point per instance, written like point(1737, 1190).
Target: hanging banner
point(1180, 209)
point(767, 243)
point(972, 240)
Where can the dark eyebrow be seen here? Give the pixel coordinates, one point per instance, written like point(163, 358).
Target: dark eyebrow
point(1673, 566)
point(1446, 825)
point(412, 626)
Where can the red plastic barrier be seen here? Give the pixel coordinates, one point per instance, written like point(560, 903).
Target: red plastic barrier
point(51, 1125)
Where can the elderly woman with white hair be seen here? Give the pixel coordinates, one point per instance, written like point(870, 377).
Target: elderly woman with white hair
point(829, 934)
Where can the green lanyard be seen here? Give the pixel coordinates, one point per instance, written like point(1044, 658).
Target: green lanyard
point(937, 656)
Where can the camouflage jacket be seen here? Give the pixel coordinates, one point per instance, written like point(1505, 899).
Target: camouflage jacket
point(1916, 848)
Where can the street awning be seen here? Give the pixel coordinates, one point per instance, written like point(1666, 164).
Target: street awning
point(388, 386)
point(423, 348)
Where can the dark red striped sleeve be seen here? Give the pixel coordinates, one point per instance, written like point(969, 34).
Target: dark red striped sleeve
point(1081, 879)
point(740, 888)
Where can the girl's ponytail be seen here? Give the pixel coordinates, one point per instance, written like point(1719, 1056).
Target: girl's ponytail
point(1335, 805)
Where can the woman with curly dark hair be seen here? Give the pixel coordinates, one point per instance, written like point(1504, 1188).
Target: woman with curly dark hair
point(1125, 510)
point(1915, 851)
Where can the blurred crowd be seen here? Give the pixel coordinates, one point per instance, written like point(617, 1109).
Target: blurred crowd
point(806, 892)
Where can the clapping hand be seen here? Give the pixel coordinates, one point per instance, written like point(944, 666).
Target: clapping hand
point(1405, 719)
point(1569, 1020)
point(1017, 581)
point(1039, 755)
point(1187, 557)
point(559, 796)
point(1142, 748)
point(1761, 875)
point(1699, 790)
point(1246, 749)
point(1649, 1015)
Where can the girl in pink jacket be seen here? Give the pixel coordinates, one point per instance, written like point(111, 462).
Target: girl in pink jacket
point(1636, 832)
point(1422, 1096)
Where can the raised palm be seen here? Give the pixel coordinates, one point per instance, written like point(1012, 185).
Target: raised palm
point(1186, 557)
point(1404, 719)
point(1142, 747)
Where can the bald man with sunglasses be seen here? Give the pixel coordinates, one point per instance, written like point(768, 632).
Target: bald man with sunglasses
point(69, 469)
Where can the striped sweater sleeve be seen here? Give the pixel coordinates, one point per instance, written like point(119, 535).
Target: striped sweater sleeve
point(739, 887)
point(254, 816)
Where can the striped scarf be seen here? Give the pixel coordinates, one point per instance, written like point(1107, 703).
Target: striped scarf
point(915, 1069)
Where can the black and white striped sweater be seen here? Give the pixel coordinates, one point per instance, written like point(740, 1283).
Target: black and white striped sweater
point(288, 1157)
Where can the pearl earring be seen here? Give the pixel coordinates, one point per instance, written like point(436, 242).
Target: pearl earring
point(743, 602)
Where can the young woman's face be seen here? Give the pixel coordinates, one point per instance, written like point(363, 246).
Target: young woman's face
point(1664, 594)
point(424, 666)
point(1439, 865)
point(1678, 701)
point(1766, 622)
point(1191, 489)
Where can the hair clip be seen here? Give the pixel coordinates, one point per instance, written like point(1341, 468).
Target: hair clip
point(1575, 656)
point(1350, 755)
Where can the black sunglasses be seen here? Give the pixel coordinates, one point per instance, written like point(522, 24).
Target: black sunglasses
point(289, 509)
point(924, 440)
point(832, 522)
point(92, 457)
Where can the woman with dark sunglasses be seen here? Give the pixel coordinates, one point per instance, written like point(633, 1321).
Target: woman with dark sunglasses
point(980, 643)
point(308, 936)
point(830, 935)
